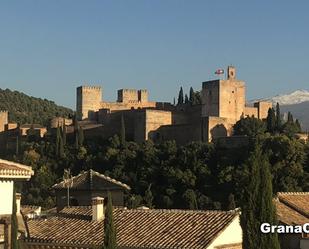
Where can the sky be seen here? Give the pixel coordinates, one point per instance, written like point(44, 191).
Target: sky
point(48, 48)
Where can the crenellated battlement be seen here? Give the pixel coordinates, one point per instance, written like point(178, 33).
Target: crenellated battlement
point(86, 87)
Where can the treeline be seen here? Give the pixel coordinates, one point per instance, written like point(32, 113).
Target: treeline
point(25, 109)
point(193, 98)
point(194, 176)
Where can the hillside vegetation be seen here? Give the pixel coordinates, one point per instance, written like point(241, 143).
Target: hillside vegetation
point(26, 109)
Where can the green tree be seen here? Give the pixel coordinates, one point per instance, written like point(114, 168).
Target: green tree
point(257, 203)
point(278, 118)
point(180, 97)
point(80, 137)
point(271, 120)
point(290, 118)
point(192, 96)
point(249, 126)
point(186, 99)
point(109, 227)
point(148, 197)
point(64, 133)
point(14, 226)
point(122, 131)
point(232, 204)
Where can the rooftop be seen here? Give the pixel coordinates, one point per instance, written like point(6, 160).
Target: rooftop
point(293, 208)
point(137, 228)
point(14, 170)
point(92, 180)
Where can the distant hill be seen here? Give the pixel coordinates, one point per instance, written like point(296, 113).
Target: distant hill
point(26, 109)
point(296, 102)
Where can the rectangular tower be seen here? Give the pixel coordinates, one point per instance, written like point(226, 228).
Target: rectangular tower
point(88, 101)
point(127, 96)
point(4, 120)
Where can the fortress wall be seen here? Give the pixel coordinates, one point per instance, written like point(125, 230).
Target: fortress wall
point(210, 98)
point(251, 111)
point(214, 127)
point(232, 99)
point(60, 121)
point(263, 108)
point(182, 134)
point(4, 120)
point(143, 95)
point(155, 119)
point(127, 95)
point(117, 106)
point(88, 101)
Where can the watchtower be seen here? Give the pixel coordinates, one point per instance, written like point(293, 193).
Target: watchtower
point(88, 101)
point(4, 120)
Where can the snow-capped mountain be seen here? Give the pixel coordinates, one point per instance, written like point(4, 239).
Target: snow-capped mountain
point(296, 102)
point(293, 98)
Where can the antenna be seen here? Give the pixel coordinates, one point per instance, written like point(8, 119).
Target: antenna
point(68, 182)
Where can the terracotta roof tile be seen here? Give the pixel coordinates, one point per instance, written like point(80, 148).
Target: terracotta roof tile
point(135, 228)
point(10, 169)
point(293, 207)
point(92, 180)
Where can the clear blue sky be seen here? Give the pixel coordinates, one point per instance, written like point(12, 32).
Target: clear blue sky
point(47, 48)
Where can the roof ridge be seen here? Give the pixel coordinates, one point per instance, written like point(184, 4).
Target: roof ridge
point(25, 167)
point(293, 193)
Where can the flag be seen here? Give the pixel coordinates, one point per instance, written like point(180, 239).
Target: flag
point(219, 71)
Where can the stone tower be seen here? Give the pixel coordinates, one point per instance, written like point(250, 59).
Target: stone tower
point(224, 98)
point(3, 120)
point(88, 101)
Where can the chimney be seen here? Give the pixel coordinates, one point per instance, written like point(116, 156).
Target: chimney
point(18, 198)
point(97, 208)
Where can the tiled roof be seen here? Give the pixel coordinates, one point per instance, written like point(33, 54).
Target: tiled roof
point(14, 170)
point(88, 180)
point(293, 207)
point(135, 228)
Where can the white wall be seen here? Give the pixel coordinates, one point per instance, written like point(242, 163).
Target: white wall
point(231, 235)
point(6, 197)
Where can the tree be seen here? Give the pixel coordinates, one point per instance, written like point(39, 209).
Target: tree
point(80, 137)
point(58, 137)
point(257, 203)
point(278, 118)
point(148, 197)
point(14, 226)
point(109, 227)
point(122, 131)
point(232, 204)
point(249, 126)
point(64, 133)
point(180, 97)
point(191, 96)
point(186, 99)
point(271, 120)
point(290, 118)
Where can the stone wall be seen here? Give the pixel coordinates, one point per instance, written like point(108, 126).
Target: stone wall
point(88, 101)
point(263, 108)
point(3, 120)
point(251, 111)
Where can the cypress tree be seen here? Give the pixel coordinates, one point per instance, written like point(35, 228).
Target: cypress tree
point(14, 226)
point(76, 141)
point(58, 136)
point(61, 148)
point(17, 145)
point(257, 204)
point(232, 204)
point(122, 131)
point(186, 99)
point(174, 101)
point(180, 97)
point(109, 227)
point(290, 118)
point(80, 136)
point(191, 96)
point(271, 120)
point(278, 117)
point(148, 197)
point(64, 133)
point(298, 125)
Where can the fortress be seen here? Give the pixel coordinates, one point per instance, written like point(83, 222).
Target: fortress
point(223, 104)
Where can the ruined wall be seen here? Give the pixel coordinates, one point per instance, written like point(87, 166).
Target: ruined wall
point(251, 111)
point(3, 120)
point(263, 108)
point(88, 101)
